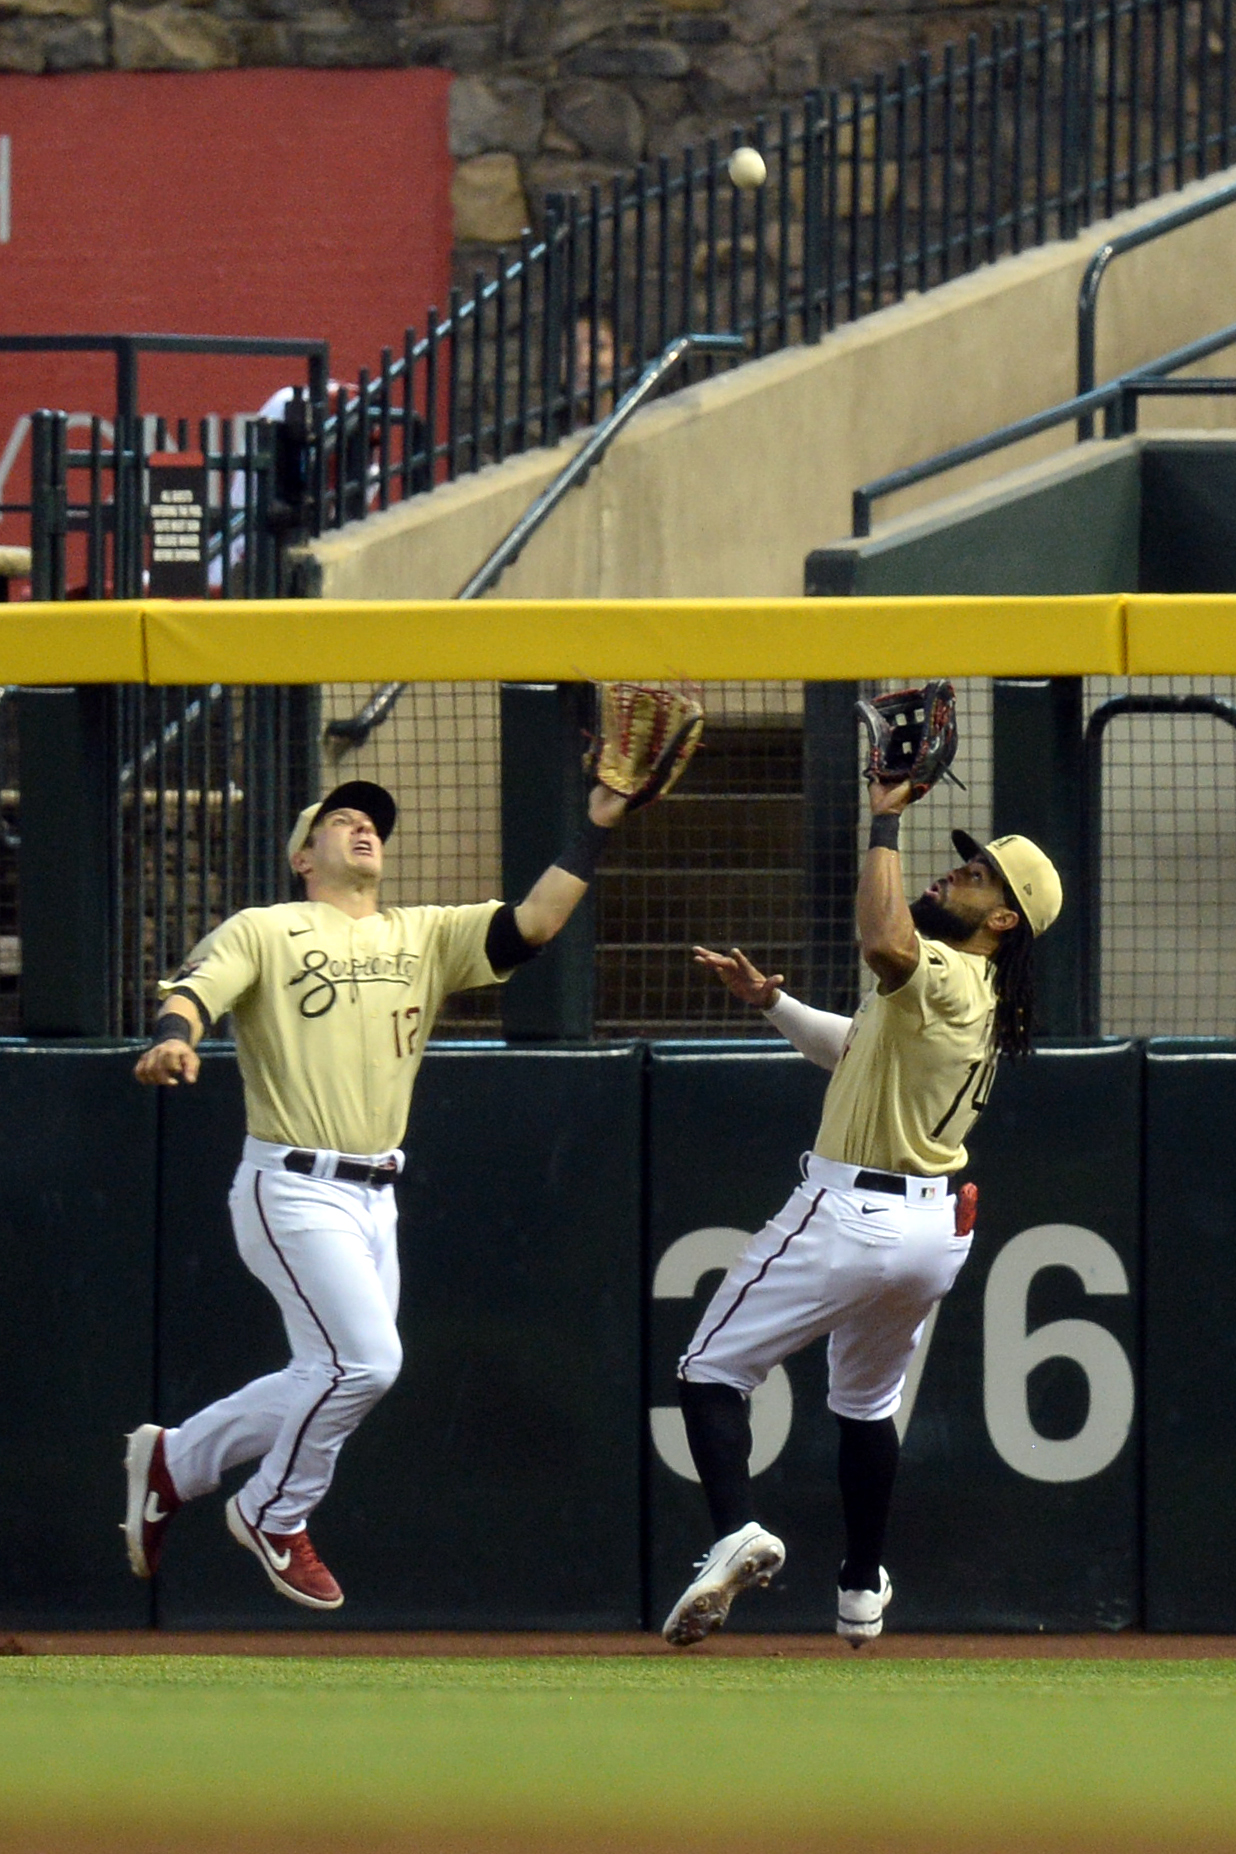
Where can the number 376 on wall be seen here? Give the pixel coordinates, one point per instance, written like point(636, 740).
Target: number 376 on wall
point(1010, 1354)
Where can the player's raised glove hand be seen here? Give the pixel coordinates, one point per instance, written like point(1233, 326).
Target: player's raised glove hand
point(605, 807)
point(644, 737)
point(911, 735)
point(889, 801)
point(167, 1064)
point(738, 975)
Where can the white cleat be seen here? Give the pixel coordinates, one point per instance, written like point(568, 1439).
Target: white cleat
point(735, 1562)
point(860, 1613)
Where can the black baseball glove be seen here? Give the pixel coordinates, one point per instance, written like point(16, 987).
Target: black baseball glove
point(911, 734)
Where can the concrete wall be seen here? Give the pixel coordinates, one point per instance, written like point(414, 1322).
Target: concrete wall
point(726, 486)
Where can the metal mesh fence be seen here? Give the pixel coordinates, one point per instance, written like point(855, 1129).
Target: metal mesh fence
point(206, 782)
point(1167, 858)
point(204, 785)
point(723, 860)
point(439, 754)
point(719, 862)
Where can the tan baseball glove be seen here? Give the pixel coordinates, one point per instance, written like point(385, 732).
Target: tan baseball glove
point(644, 737)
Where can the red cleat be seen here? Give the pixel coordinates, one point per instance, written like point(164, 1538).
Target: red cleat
point(289, 1560)
point(153, 1501)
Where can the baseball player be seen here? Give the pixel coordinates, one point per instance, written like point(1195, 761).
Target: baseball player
point(332, 999)
point(874, 1236)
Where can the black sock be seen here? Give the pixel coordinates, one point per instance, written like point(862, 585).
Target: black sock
point(866, 1470)
point(718, 1424)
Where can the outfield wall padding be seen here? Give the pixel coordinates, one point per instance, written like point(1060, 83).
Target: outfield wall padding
point(725, 1131)
point(1190, 1357)
point(77, 1261)
point(565, 1214)
point(497, 1485)
point(979, 1540)
point(982, 1538)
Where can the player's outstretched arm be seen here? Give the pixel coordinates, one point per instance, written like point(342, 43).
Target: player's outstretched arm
point(172, 1057)
point(738, 975)
point(885, 929)
point(555, 895)
point(818, 1035)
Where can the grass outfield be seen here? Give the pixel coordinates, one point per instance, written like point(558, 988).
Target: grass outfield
point(223, 1753)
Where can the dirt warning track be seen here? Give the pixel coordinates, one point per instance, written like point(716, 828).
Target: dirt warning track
point(1128, 1645)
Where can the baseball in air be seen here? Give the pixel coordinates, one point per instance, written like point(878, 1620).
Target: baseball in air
point(747, 168)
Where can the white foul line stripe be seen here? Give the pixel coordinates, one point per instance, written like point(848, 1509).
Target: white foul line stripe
point(6, 188)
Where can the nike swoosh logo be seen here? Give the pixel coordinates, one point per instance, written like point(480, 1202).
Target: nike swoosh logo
point(280, 1560)
point(152, 1512)
point(872, 1210)
point(294, 933)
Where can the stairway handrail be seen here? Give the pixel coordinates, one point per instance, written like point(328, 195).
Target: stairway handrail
point(377, 709)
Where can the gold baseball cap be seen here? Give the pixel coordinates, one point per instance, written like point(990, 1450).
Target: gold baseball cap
point(1032, 877)
point(357, 795)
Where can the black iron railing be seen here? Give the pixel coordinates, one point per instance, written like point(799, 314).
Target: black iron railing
point(1116, 399)
point(1055, 118)
point(98, 492)
point(203, 783)
point(355, 730)
point(90, 505)
point(1052, 119)
point(1097, 269)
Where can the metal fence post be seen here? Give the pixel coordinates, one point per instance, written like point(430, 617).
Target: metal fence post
point(1038, 770)
point(831, 805)
point(66, 866)
point(1069, 124)
point(48, 504)
point(543, 804)
point(129, 481)
point(813, 209)
point(267, 559)
point(126, 378)
point(553, 348)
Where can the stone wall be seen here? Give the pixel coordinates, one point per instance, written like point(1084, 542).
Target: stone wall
point(550, 93)
point(579, 89)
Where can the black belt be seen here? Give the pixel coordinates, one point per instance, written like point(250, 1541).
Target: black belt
point(351, 1171)
point(886, 1181)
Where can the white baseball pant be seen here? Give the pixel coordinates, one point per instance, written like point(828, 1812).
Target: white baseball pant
point(327, 1252)
point(865, 1267)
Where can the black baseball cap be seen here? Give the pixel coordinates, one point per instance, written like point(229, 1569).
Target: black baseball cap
point(356, 795)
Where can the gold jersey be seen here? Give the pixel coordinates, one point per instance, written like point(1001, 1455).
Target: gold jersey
point(916, 1068)
point(332, 1014)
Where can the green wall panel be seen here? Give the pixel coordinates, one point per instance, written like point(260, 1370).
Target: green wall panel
point(1188, 523)
point(1074, 535)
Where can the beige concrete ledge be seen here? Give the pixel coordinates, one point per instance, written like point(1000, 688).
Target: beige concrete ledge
point(726, 486)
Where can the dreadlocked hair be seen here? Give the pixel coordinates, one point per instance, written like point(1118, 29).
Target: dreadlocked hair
point(1014, 963)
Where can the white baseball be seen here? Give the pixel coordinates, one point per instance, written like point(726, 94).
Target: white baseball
point(747, 169)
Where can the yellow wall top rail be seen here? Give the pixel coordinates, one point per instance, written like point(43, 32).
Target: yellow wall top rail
point(164, 642)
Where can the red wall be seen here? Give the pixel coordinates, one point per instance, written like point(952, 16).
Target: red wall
point(265, 202)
